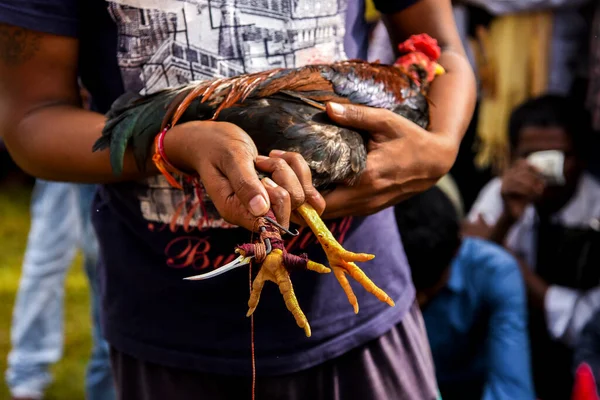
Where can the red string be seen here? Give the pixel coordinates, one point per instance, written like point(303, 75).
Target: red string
point(252, 339)
point(252, 352)
point(162, 163)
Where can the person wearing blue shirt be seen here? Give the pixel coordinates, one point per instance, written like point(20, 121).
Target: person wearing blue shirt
point(473, 301)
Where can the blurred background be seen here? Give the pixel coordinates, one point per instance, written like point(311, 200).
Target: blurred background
point(15, 194)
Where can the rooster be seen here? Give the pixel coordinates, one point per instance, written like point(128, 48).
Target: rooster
point(284, 109)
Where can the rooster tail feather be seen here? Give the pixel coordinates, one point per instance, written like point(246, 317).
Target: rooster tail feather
point(123, 103)
point(120, 137)
point(134, 120)
point(101, 144)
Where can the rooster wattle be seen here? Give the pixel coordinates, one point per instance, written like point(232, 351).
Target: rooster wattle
point(283, 109)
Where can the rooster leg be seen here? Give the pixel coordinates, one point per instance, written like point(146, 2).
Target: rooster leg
point(342, 260)
point(276, 267)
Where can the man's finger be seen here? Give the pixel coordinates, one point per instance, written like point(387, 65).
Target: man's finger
point(369, 119)
point(239, 169)
point(284, 176)
point(280, 201)
point(302, 171)
point(225, 200)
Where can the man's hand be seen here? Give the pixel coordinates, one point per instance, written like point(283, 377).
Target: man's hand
point(521, 185)
point(402, 160)
point(226, 159)
point(479, 228)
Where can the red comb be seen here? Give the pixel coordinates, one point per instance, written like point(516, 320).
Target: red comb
point(422, 43)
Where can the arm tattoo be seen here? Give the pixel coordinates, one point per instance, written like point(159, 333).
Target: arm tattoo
point(17, 45)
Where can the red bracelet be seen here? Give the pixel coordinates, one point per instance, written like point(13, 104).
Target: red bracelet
point(162, 162)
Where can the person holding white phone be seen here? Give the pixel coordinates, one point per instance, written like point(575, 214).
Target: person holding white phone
point(545, 209)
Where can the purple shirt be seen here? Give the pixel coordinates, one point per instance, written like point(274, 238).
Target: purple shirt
point(148, 231)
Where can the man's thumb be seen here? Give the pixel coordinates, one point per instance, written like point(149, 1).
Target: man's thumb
point(365, 118)
point(351, 115)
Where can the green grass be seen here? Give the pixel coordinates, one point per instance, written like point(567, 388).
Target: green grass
point(70, 370)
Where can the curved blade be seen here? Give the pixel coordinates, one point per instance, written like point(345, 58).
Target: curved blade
point(238, 262)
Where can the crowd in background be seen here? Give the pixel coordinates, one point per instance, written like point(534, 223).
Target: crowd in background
point(505, 262)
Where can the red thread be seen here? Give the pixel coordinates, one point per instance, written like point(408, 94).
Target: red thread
point(161, 162)
point(160, 145)
point(164, 165)
point(252, 351)
point(293, 262)
point(252, 339)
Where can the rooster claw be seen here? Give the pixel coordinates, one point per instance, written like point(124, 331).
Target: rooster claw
point(238, 262)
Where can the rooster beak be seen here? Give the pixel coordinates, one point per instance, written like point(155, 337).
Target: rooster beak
point(439, 70)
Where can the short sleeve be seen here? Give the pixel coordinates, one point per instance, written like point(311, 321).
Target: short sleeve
point(59, 17)
point(393, 6)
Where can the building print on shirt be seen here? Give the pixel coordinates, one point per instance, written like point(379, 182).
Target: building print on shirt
point(166, 43)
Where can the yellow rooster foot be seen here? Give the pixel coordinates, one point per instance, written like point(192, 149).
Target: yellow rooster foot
point(275, 266)
point(342, 260)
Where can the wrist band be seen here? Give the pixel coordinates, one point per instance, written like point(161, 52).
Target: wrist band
point(161, 161)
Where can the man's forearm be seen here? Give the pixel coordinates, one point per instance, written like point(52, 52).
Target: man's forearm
point(55, 143)
point(452, 96)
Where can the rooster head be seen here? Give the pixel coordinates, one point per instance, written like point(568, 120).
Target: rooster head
point(419, 55)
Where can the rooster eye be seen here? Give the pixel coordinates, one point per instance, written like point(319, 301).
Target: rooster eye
point(421, 72)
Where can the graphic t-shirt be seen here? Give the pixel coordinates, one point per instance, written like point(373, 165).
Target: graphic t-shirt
point(152, 235)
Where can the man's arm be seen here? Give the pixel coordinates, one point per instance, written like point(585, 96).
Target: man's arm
point(509, 368)
point(403, 158)
point(453, 93)
point(46, 131)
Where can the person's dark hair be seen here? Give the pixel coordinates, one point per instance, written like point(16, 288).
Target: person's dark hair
point(430, 230)
point(552, 111)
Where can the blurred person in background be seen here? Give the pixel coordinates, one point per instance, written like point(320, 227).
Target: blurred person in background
point(518, 49)
point(473, 301)
point(552, 228)
point(60, 223)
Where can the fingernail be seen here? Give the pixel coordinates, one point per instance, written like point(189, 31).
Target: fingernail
point(337, 108)
point(258, 205)
point(270, 182)
point(261, 158)
point(277, 152)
